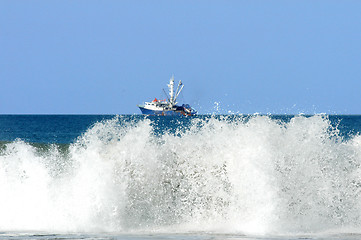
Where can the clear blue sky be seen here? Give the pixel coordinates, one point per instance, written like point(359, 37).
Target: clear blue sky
point(249, 56)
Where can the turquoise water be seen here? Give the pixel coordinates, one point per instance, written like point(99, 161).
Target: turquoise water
point(204, 177)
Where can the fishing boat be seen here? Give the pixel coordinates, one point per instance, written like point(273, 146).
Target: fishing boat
point(168, 107)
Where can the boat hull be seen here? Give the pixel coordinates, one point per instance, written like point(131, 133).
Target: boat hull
point(163, 113)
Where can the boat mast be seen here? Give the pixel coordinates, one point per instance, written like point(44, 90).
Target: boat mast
point(171, 90)
point(173, 95)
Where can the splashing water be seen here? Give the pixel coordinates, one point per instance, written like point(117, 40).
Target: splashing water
point(253, 175)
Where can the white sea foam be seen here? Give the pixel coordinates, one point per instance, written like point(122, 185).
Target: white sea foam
point(252, 176)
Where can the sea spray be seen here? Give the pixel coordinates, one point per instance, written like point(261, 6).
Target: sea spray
point(252, 175)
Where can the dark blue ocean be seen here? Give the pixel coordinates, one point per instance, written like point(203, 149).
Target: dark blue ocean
point(203, 177)
point(65, 129)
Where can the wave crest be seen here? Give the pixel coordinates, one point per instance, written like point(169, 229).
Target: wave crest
point(253, 175)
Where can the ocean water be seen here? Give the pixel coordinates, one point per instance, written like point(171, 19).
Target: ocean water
point(204, 177)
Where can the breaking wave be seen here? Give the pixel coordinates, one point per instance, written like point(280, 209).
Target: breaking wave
point(249, 175)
